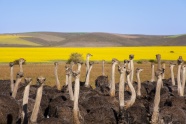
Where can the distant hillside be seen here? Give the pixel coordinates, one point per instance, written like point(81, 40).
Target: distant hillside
point(95, 39)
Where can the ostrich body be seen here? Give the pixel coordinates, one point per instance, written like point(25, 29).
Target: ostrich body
point(130, 102)
point(112, 89)
point(88, 75)
point(152, 72)
point(35, 111)
point(11, 64)
point(155, 115)
point(172, 73)
point(138, 70)
point(18, 81)
point(56, 76)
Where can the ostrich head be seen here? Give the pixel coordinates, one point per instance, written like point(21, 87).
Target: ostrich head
point(22, 61)
point(180, 60)
point(158, 56)
point(11, 64)
point(128, 71)
point(91, 63)
point(19, 75)
point(88, 55)
point(76, 74)
point(126, 61)
point(80, 62)
point(121, 69)
point(138, 70)
point(131, 56)
point(55, 63)
point(115, 61)
point(41, 80)
point(158, 73)
point(28, 80)
point(172, 64)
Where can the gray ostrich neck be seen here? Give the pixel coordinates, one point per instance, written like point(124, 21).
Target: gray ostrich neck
point(155, 115)
point(133, 96)
point(153, 78)
point(121, 89)
point(66, 82)
point(178, 79)
point(158, 57)
point(139, 84)
point(70, 87)
point(11, 79)
point(57, 79)
point(25, 103)
point(76, 97)
point(21, 66)
point(172, 74)
point(79, 67)
point(112, 90)
point(88, 77)
point(35, 111)
point(18, 81)
point(183, 81)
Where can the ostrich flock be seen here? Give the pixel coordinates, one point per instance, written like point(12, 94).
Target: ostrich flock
point(158, 101)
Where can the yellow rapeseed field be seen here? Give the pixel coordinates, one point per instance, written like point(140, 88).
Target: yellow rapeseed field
point(15, 39)
point(48, 54)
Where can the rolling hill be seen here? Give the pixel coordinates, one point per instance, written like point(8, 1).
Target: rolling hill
point(90, 39)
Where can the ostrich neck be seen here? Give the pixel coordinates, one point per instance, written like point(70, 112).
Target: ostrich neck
point(35, 111)
point(112, 90)
point(21, 67)
point(172, 75)
point(183, 81)
point(79, 67)
point(121, 89)
point(70, 87)
point(87, 77)
point(76, 97)
point(163, 76)
point(178, 79)
point(11, 79)
point(159, 63)
point(139, 84)
point(25, 103)
point(133, 96)
point(132, 70)
point(152, 80)
point(87, 64)
point(103, 72)
point(18, 81)
point(155, 114)
point(66, 83)
point(57, 79)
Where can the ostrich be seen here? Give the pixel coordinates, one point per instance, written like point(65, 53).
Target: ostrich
point(11, 64)
point(33, 118)
point(180, 62)
point(18, 81)
point(130, 102)
point(56, 76)
point(131, 57)
point(155, 115)
point(112, 85)
point(138, 70)
point(88, 75)
point(172, 73)
point(28, 81)
point(152, 72)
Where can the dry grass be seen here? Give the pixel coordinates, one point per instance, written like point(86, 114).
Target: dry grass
point(47, 70)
